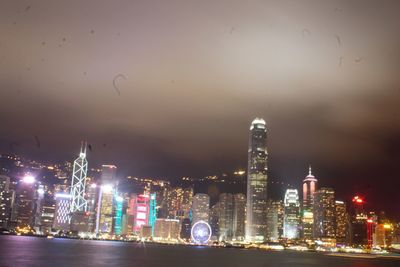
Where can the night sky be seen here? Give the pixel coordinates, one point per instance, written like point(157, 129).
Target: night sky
point(189, 78)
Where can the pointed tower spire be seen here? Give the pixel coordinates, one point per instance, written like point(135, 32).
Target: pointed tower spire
point(309, 170)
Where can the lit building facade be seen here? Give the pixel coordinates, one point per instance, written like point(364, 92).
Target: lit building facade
point(78, 182)
point(256, 212)
point(108, 174)
point(239, 216)
point(179, 202)
point(47, 213)
point(119, 201)
point(105, 210)
point(185, 229)
point(152, 211)
point(291, 221)
point(200, 208)
point(341, 222)
point(6, 201)
point(166, 229)
point(275, 218)
point(25, 205)
point(324, 213)
point(358, 222)
point(225, 217)
point(142, 212)
point(214, 221)
point(62, 217)
point(309, 188)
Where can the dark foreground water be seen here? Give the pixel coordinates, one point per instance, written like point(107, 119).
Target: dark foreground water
point(22, 251)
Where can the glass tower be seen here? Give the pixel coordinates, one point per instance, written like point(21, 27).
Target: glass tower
point(292, 214)
point(78, 183)
point(256, 215)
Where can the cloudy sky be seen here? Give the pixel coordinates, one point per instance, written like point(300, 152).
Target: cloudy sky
point(189, 78)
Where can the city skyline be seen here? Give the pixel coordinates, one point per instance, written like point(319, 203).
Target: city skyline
point(154, 132)
point(297, 184)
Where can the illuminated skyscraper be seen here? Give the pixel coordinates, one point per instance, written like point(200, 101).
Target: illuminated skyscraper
point(179, 202)
point(358, 222)
point(108, 174)
point(341, 222)
point(324, 213)
point(239, 216)
point(275, 220)
point(309, 187)
point(105, 209)
point(6, 201)
point(153, 211)
point(174, 202)
point(291, 221)
point(256, 214)
point(187, 199)
point(78, 183)
point(118, 214)
point(186, 226)
point(214, 221)
point(62, 212)
point(138, 213)
point(225, 216)
point(47, 213)
point(200, 208)
point(25, 206)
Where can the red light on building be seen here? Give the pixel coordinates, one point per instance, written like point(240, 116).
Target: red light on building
point(358, 200)
point(142, 212)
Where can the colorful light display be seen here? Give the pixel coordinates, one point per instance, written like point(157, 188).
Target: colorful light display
point(201, 232)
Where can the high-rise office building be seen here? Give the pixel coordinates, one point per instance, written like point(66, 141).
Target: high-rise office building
point(225, 216)
point(291, 221)
point(174, 202)
point(105, 209)
point(6, 201)
point(62, 216)
point(152, 211)
point(78, 182)
point(214, 221)
point(341, 222)
point(307, 218)
point(200, 208)
point(179, 202)
point(142, 212)
point(108, 174)
point(275, 217)
point(47, 212)
point(118, 202)
point(358, 222)
point(239, 216)
point(25, 205)
point(129, 217)
point(256, 212)
point(186, 227)
point(187, 199)
point(324, 213)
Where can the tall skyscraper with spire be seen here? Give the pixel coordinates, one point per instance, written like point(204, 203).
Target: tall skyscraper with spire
point(256, 214)
point(309, 188)
point(78, 183)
